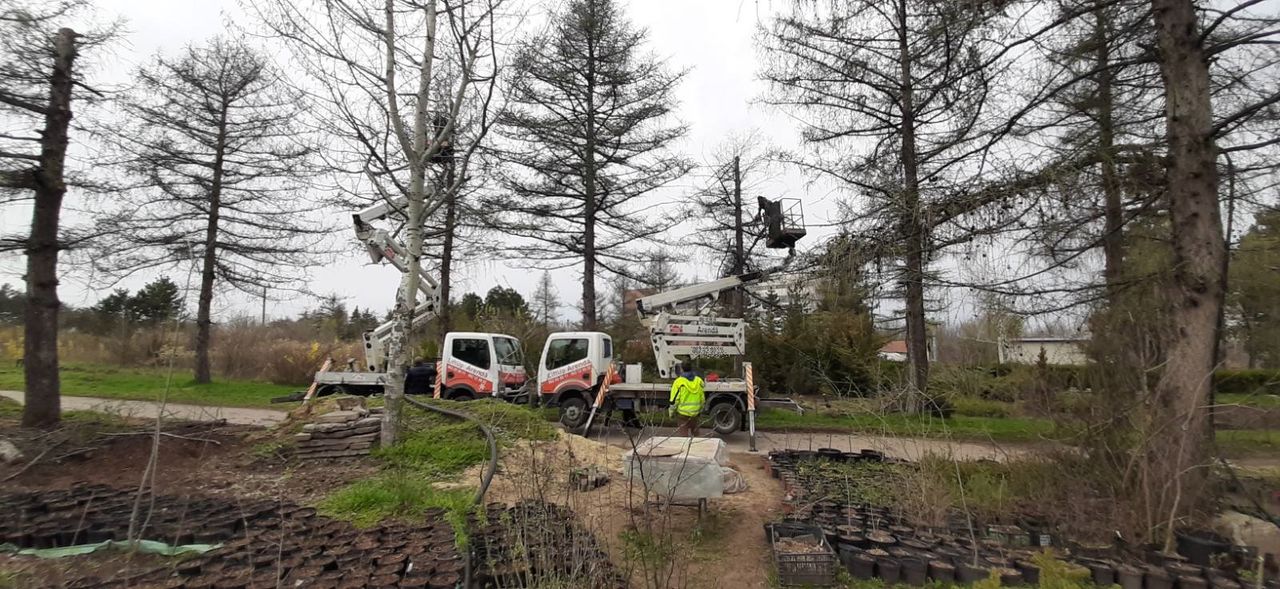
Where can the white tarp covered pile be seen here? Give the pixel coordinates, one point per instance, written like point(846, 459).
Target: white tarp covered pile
point(682, 469)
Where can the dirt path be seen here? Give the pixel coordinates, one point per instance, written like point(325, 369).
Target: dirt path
point(738, 555)
point(149, 409)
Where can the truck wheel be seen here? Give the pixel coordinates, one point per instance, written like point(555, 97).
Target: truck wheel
point(461, 395)
point(573, 412)
point(726, 418)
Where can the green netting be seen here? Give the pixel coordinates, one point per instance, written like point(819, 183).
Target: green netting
point(144, 546)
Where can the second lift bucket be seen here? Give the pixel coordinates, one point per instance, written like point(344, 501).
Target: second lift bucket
point(784, 222)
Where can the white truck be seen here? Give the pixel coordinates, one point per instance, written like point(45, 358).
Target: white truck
point(682, 325)
point(471, 364)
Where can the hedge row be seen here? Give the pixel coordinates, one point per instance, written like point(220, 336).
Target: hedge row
point(1009, 382)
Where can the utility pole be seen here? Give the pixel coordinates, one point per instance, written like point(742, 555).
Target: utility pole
point(264, 305)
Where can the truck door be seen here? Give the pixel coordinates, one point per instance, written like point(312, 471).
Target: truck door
point(510, 362)
point(566, 365)
point(470, 366)
point(603, 357)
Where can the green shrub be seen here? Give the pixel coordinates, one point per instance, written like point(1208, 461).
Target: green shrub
point(1247, 382)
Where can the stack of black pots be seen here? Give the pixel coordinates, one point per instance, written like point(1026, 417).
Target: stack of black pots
point(875, 541)
point(521, 545)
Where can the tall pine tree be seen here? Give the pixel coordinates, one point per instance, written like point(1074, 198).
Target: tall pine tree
point(590, 125)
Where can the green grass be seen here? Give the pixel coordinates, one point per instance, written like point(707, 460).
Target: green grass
point(438, 451)
point(435, 448)
point(1249, 400)
point(1240, 443)
point(508, 422)
point(958, 426)
point(396, 495)
point(146, 384)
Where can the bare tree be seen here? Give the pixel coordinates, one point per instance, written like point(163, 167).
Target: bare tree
point(37, 82)
point(1177, 457)
point(589, 132)
point(402, 86)
point(736, 174)
point(907, 79)
point(212, 146)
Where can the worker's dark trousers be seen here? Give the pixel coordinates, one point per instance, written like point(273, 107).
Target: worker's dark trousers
point(688, 426)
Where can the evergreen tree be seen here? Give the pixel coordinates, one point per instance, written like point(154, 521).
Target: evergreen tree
point(588, 124)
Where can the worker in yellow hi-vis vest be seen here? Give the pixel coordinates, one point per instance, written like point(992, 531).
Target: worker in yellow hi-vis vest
point(687, 396)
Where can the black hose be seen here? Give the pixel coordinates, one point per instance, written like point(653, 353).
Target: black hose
point(484, 480)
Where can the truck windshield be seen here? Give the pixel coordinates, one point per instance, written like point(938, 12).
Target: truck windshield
point(508, 351)
point(563, 352)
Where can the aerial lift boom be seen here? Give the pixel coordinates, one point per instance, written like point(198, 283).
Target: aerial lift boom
point(683, 322)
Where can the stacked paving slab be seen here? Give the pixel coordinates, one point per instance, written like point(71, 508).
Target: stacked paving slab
point(339, 434)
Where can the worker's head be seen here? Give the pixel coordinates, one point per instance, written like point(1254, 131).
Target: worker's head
point(419, 361)
point(687, 371)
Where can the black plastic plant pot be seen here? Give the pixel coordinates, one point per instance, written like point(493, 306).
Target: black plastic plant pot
point(863, 567)
point(1157, 578)
point(915, 571)
point(847, 554)
point(1152, 555)
point(1219, 581)
point(1129, 577)
point(881, 539)
point(188, 568)
point(444, 581)
point(888, 569)
point(1031, 572)
point(942, 572)
point(1103, 573)
point(966, 573)
point(831, 454)
point(1183, 569)
point(854, 540)
point(1010, 577)
point(846, 529)
point(1191, 582)
point(1200, 546)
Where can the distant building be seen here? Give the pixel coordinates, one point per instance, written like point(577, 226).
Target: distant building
point(1067, 351)
point(896, 350)
point(789, 290)
point(630, 296)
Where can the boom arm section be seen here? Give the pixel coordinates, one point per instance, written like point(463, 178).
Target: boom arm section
point(700, 332)
point(381, 246)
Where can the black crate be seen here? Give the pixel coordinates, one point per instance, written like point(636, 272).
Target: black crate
point(815, 569)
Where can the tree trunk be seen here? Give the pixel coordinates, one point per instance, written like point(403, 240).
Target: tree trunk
point(407, 295)
point(913, 229)
point(1113, 213)
point(1181, 438)
point(446, 253)
point(589, 253)
point(40, 348)
point(589, 196)
point(739, 252)
point(204, 308)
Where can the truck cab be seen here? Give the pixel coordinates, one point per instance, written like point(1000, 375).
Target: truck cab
point(474, 365)
point(570, 369)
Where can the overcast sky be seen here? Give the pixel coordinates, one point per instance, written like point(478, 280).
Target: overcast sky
point(712, 39)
